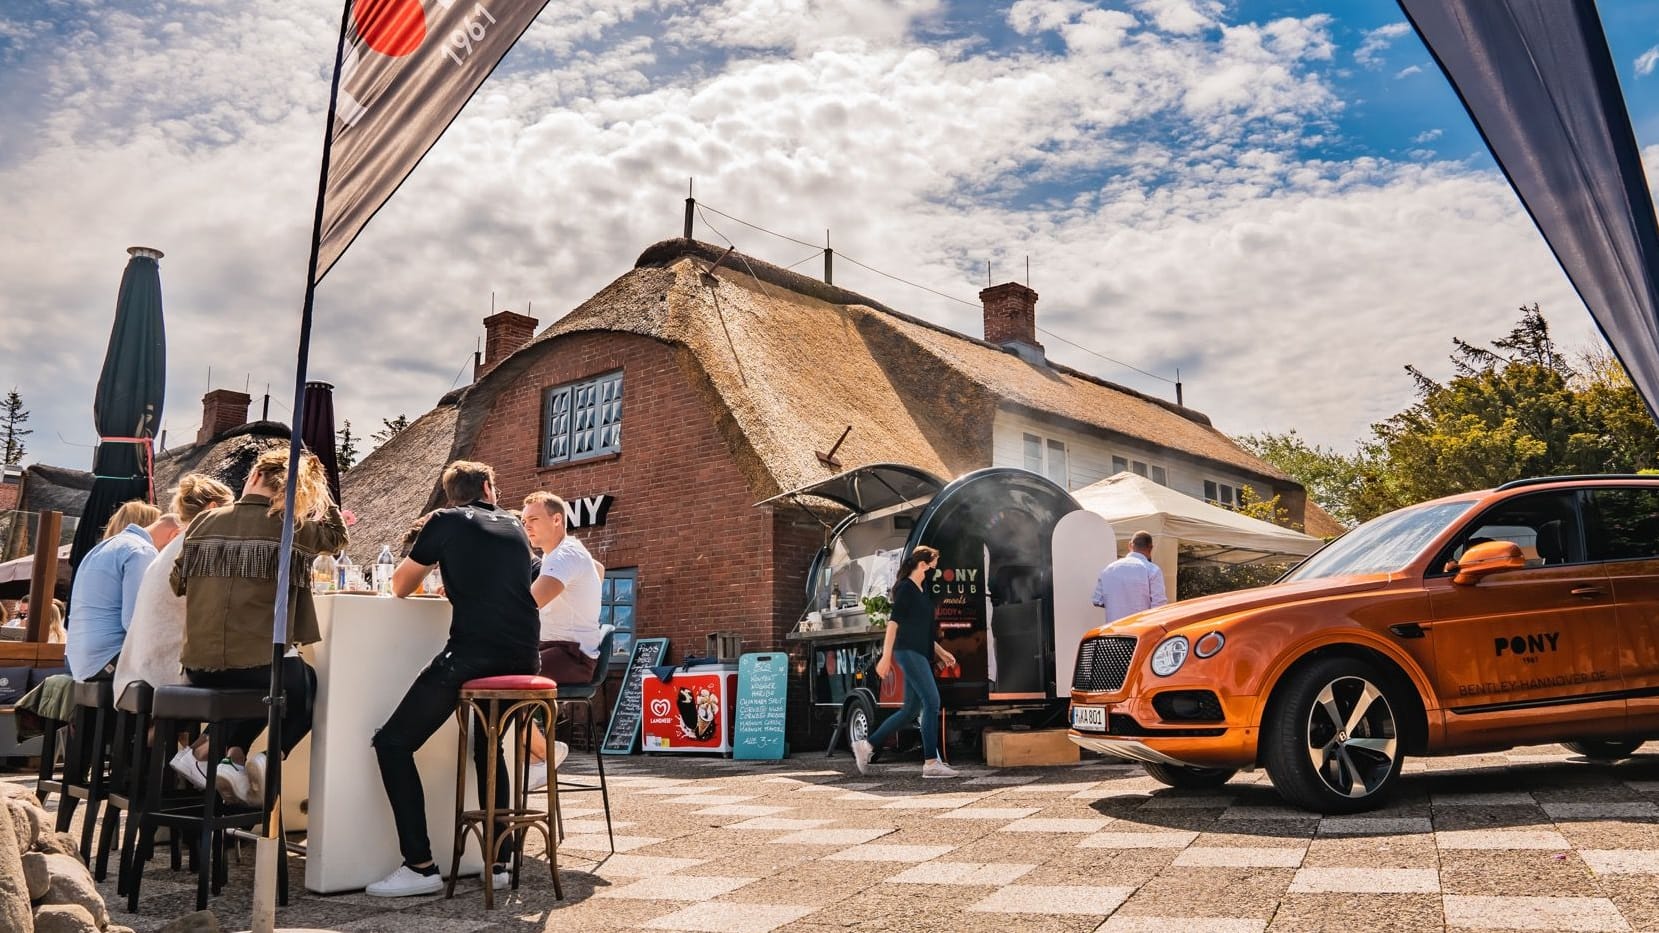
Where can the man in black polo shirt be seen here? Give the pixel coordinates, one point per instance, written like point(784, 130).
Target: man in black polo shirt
point(483, 553)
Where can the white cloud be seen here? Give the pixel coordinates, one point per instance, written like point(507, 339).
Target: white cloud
point(1180, 16)
point(1377, 41)
point(1428, 136)
point(1647, 61)
point(1408, 71)
point(1156, 178)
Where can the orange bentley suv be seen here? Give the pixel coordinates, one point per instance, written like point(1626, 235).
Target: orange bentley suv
point(1520, 615)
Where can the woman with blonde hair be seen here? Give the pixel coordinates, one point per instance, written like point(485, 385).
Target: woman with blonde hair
point(105, 589)
point(227, 571)
point(132, 512)
point(156, 635)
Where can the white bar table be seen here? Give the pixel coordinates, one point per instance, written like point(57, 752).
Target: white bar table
point(372, 647)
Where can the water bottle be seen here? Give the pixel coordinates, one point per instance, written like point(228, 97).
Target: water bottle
point(383, 567)
point(342, 572)
point(324, 574)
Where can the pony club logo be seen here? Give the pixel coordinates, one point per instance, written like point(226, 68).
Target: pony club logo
point(384, 35)
point(661, 707)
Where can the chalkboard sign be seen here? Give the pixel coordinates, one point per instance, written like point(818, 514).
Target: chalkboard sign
point(762, 704)
point(622, 734)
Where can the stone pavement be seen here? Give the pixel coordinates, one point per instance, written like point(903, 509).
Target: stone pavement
point(1531, 840)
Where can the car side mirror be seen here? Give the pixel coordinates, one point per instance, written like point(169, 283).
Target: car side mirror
point(1487, 558)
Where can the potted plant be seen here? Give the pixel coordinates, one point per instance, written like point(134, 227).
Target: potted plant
point(879, 609)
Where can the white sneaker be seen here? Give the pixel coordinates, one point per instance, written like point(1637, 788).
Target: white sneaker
point(934, 768)
point(538, 777)
point(861, 755)
point(406, 882)
point(193, 771)
point(256, 778)
point(501, 879)
point(561, 751)
point(234, 785)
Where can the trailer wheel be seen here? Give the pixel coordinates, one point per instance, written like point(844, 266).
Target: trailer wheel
point(860, 716)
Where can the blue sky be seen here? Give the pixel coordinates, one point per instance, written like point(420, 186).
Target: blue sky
point(1281, 198)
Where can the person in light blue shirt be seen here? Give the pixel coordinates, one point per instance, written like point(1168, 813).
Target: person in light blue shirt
point(105, 591)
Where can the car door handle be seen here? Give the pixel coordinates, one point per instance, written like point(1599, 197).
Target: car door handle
point(1589, 592)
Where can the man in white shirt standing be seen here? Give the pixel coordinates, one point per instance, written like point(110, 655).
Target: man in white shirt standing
point(1132, 583)
point(567, 592)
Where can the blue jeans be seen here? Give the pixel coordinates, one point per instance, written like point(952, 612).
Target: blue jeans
point(921, 697)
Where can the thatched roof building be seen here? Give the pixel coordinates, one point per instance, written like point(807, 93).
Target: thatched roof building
point(398, 481)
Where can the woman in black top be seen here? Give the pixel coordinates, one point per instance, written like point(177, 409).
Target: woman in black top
point(910, 645)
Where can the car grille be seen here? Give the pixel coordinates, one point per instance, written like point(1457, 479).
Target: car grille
point(1103, 663)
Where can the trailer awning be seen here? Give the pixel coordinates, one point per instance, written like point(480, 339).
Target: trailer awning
point(870, 488)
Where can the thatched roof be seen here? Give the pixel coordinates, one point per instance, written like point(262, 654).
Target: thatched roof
point(786, 363)
point(227, 458)
point(397, 482)
point(56, 489)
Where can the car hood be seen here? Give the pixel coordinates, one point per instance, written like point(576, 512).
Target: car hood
point(1190, 612)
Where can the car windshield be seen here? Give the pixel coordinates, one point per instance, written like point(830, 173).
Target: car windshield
point(1381, 545)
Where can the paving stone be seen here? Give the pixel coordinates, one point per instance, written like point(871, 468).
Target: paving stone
point(1122, 924)
point(1366, 881)
point(1053, 899)
point(1501, 839)
point(716, 917)
point(877, 852)
point(989, 813)
point(832, 837)
point(1238, 857)
point(1621, 861)
point(1323, 913)
point(1137, 840)
point(963, 873)
point(739, 809)
point(1533, 913)
point(1374, 825)
point(677, 888)
point(1037, 824)
point(773, 823)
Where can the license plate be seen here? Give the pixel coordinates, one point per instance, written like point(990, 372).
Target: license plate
point(1089, 717)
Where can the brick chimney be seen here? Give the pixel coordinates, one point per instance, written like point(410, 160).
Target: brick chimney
point(504, 332)
point(1011, 318)
point(222, 409)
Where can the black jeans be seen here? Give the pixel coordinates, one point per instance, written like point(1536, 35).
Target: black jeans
point(299, 689)
point(430, 703)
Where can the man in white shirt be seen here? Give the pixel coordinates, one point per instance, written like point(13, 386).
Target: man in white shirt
point(567, 592)
point(1132, 583)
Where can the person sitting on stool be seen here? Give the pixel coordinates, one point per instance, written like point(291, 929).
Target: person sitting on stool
point(566, 589)
point(480, 550)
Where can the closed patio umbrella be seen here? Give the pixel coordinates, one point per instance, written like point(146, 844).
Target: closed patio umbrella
point(317, 431)
point(127, 407)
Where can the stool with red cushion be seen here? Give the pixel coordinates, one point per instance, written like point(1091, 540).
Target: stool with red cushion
point(501, 703)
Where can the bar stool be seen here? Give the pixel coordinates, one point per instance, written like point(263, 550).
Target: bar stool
point(584, 696)
point(500, 703)
point(172, 710)
point(129, 760)
point(86, 762)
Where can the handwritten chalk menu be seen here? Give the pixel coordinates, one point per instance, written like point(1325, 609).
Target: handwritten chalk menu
point(762, 704)
point(622, 734)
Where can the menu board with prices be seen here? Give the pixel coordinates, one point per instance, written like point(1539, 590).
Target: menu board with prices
point(762, 706)
point(622, 733)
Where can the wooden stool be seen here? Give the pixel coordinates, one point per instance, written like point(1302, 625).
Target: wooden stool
point(500, 703)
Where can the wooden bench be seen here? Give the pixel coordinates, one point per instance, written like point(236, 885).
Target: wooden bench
point(23, 654)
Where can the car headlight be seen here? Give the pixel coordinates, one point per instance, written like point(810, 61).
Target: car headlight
point(1208, 644)
point(1168, 657)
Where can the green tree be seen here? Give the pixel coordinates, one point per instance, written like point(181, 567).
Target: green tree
point(12, 431)
point(392, 426)
point(1516, 409)
point(1332, 478)
point(345, 450)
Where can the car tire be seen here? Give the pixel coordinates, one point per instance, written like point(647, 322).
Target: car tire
point(1331, 739)
point(1604, 749)
point(1189, 778)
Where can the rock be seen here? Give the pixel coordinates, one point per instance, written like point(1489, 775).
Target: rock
point(37, 873)
point(64, 918)
point(10, 791)
point(28, 819)
point(59, 844)
point(118, 928)
point(14, 887)
point(202, 921)
point(72, 884)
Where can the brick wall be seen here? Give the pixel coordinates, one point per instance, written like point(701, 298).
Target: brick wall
point(684, 515)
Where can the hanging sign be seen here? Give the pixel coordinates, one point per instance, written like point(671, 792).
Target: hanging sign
point(762, 706)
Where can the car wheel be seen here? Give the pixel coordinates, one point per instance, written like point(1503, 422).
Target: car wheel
point(1604, 749)
point(860, 718)
point(1332, 739)
point(1189, 777)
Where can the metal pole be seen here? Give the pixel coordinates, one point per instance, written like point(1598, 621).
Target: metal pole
point(829, 261)
point(264, 882)
point(43, 574)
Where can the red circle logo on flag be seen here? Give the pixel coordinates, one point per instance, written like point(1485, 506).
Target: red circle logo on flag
point(390, 27)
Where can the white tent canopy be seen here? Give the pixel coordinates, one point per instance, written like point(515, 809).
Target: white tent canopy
point(1134, 503)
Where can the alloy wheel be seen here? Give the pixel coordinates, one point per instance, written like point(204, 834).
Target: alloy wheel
point(1352, 737)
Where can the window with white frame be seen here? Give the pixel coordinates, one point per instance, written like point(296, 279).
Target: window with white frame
point(1049, 458)
point(1140, 468)
point(1223, 494)
point(582, 420)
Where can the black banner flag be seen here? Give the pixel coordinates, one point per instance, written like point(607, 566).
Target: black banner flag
point(409, 66)
point(1539, 81)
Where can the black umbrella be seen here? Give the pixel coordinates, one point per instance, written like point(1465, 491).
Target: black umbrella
point(127, 408)
point(317, 430)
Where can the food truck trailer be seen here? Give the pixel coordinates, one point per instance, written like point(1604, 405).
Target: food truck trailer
point(1018, 559)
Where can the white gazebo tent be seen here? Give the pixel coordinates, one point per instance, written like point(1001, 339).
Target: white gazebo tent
point(1180, 524)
